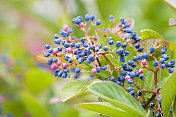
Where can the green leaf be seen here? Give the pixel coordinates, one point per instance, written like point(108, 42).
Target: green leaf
point(68, 112)
point(147, 34)
point(37, 80)
point(174, 106)
point(171, 3)
point(117, 96)
point(14, 107)
point(149, 114)
point(74, 88)
point(34, 107)
point(105, 108)
point(157, 43)
point(168, 94)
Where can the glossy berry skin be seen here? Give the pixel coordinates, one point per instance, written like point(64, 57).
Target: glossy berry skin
point(46, 54)
point(77, 70)
point(50, 50)
point(134, 58)
point(162, 60)
point(159, 100)
point(65, 27)
point(96, 49)
point(123, 73)
point(54, 60)
point(86, 17)
point(171, 70)
point(112, 78)
point(155, 63)
point(118, 82)
point(47, 46)
point(144, 62)
point(64, 75)
point(130, 62)
point(53, 67)
point(98, 69)
point(152, 105)
point(91, 47)
point(139, 92)
point(103, 67)
point(77, 45)
point(118, 44)
point(85, 44)
point(130, 81)
point(136, 45)
point(163, 51)
point(110, 38)
point(130, 88)
point(158, 115)
point(93, 70)
point(140, 71)
point(124, 45)
point(132, 74)
point(92, 18)
point(111, 17)
point(141, 76)
point(70, 61)
point(162, 66)
point(80, 60)
point(58, 63)
point(152, 49)
point(132, 93)
point(64, 65)
point(105, 48)
point(172, 62)
point(98, 22)
point(140, 49)
point(145, 55)
point(111, 42)
point(69, 50)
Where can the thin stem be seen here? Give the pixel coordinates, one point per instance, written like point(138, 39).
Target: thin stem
point(109, 61)
point(147, 91)
point(148, 68)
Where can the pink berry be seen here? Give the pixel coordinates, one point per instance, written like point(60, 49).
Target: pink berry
point(69, 50)
point(93, 70)
point(127, 77)
point(65, 27)
point(64, 65)
point(144, 62)
point(140, 71)
point(58, 63)
point(55, 50)
point(53, 67)
point(81, 24)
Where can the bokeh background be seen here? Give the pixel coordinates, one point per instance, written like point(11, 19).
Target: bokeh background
point(28, 88)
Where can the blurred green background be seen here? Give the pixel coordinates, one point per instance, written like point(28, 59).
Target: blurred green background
point(26, 87)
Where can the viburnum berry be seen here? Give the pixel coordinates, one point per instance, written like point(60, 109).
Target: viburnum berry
point(155, 63)
point(139, 92)
point(94, 70)
point(152, 105)
point(144, 62)
point(64, 65)
point(152, 49)
point(140, 71)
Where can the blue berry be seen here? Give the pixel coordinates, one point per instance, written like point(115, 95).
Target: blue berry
point(46, 54)
point(130, 88)
point(66, 45)
point(112, 78)
point(111, 42)
point(64, 75)
point(141, 76)
point(66, 70)
point(155, 63)
point(77, 70)
point(72, 44)
point(122, 78)
point(56, 36)
point(130, 81)
point(139, 92)
point(158, 115)
point(159, 100)
point(118, 43)
point(123, 73)
point(69, 30)
point(152, 105)
point(92, 17)
point(80, 60)
point(66, 58)
point(91, 47)
point(152, 49)
point(47, 46)
point(162, 60)
point(136, 45)
point(132, 93)
point(163, 51)
point(172, 62)
point(54, 60)
point(105, 48)
point(82, 40)
point(77, 45)
point(142, 104)
point(74, 37)
point(140, 49)
point(124, 65)
point(124, 45)
point(111, 17)
point(98, 69)
point(129, 30)
point(171, 70)
point(134, 58)
point(130, 62)
point(70, 60)
point(86, 17)
point(122, 59)
point(88, 60)
point(103, 67)
point(85, 44)
point(60, 73)
point(56, 72)
point(118, 82)
point(110, 38)
point(98, 22)
point(145, 55)
point(50, 50)
point(122, 20)
point(168, 64)
point(57, 41)
point(96, 49)
point(99, 46)
point(165, 48)
point(48, 63)
point(166, 58)
point(126, 53)
point(132, 74)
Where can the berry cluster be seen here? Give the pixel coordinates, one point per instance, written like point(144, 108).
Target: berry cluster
point(71, 52)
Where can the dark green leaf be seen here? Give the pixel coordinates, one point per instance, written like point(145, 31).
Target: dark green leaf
point(117, 96)
point(105, 108)
point(74, 88)
point(168, 94)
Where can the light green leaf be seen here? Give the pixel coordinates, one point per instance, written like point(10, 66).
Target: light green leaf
point(171, 3)
point(68, 112)
point(149, 114)
point(34, 107)
point(147, 34)
point(168, 94)
point(105, 108)
point(74, 88)
point(117, 96)
point(37, 80)
point(174, 106)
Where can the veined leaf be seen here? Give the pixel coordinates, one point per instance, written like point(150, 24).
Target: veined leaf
point(168, 94)
point(117, 96)
point(74, 88)
point(147, 34)
point(105, 108)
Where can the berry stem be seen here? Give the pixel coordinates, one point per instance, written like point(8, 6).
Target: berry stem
point(148, 69)
point(109, 61)
point(147, 91)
